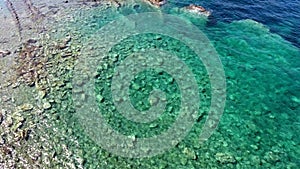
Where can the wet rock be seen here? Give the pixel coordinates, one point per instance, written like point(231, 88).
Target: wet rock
point(255, 160)
point(153, 125)
point(224, 158)
point(83, 97)
point(2, 141)
point(157, 3)
point(60, 83)
point(26, 107)
point(46, 105)
point(7, 150)
point(1, 117)
point(100, 98)
point(9, 121)
point(271, 157)
point(190, 153)
point(183, 161)
point(197, 9)
point(24, 134)
point(255, 147)
point(31, 41)
point(65, 43)
point(17, 126)
point(41, 94)
point(62, 46)
point(4, 53)
point(15, 85)
point(5, 98)
point(67, 40)
point(135, 86)
point(67, 54)
point(295, 99)
point(18, 117)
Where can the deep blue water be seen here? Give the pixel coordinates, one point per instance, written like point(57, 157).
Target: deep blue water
point(281, 16)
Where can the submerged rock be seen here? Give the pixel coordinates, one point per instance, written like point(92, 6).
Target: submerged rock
point(197, 9)
point(46, 105)
point(8, 121)
point(225, 158)
point(41, 94)
point(26, 107)
point(157, 3)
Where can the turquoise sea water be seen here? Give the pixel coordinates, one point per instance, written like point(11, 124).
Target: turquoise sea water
point(258, 47)
point(260, 124)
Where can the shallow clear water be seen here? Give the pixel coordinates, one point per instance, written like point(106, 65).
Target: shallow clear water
point(260, 124)
point(258, 46)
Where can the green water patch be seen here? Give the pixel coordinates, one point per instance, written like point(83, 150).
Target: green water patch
point(260, 125)
point(262, 73)
point(146, 81)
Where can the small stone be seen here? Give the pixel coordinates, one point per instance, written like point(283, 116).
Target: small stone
point(17, 126)
point(2, 141)
point(295, 99)
point(256, 160)
point(31, 41)
point(3, 71)
point(257, 113)
point(153, 125)
point(225, 158)
point(68, 39)
point(67, 54)
point(257, 139)
point(82, 97)
point(157, 3)
point(1, 117)
point(26, 107)
point(15, 85)
point(196, 9)
point(100, 98)
point(39, 111)
point(190, 153)
point(60, 83)
point(255, 147)
point(53, 154)
point(41, 94)
point(62, 46)
point(183, 161)
point(7, 84)
point(4, 53)
point(271, 116)
point(271, 157)
point(5, 98)
point(46, 105)
point(77, 90)
point(135, 86)
point(24, 134)
point(19, 118)
point(9, 121)
point(153, 100)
